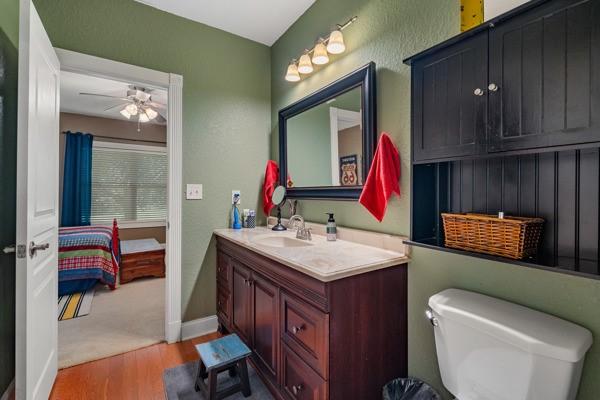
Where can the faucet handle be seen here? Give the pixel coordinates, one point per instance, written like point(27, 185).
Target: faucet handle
point(308, 233)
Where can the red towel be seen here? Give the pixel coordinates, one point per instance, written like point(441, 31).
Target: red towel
point(383, 179)
point(271, 181)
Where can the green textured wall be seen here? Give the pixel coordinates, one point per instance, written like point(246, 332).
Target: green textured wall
point(9, 38)
point(386, 32)
point(226, 98)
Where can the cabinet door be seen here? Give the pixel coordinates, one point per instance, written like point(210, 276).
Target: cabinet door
point(241, 302)
point(265, 324)
point(450, 102)
point(545, 64)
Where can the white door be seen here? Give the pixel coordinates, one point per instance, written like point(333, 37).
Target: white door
point(37, 209)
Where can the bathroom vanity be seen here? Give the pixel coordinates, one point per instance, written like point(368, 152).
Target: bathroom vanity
point(324, 320)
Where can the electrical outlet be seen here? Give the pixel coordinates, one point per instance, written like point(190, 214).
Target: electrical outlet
point(193, 191)
point(233, 194)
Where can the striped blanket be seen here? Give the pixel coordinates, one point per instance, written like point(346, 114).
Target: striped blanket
point(88, 253)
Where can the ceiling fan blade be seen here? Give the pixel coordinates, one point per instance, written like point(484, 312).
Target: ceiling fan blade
point(105, 95)
point(160, 119)
point(118, 105)
point(157, 105)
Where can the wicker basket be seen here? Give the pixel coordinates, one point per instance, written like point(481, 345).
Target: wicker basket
point(513, 237)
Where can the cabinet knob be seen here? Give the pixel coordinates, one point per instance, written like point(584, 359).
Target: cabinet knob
point(296, 389)
point(478, 92)
point(297, 329)
point(493, 87)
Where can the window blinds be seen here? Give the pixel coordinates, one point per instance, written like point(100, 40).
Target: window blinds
point(128, 183)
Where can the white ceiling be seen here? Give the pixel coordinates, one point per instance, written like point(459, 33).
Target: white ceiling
point(263, 21)
point(72, 84)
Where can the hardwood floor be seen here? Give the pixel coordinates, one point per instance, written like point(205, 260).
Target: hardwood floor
point(133, 375)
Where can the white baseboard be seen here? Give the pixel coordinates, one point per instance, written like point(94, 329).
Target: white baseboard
point(199, 327)
point(173, 332)
point(9, 390)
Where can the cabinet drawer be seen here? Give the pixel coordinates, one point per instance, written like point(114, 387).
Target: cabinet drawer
point(306, 330)
point(223, 303)
point(223, 269)
point(299, 381)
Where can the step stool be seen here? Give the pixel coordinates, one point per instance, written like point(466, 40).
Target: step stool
point(228, 353)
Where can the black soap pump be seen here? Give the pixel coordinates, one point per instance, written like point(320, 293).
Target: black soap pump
point(331, 228)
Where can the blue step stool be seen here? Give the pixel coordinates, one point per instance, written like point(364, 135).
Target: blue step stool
point(228, 353)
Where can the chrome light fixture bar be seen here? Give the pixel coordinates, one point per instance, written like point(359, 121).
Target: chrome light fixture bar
point(319, 54)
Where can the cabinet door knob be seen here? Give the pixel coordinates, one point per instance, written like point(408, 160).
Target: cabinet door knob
point(478, 92)
point(296, 389)
point(493, 87)
point(297, 329)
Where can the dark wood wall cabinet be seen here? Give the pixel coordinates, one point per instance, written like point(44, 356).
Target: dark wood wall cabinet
point(506, 117)
point(310, 339)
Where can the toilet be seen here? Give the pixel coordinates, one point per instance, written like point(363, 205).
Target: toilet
point(491, 349)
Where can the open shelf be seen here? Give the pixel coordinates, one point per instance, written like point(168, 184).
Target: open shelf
point(562, 187)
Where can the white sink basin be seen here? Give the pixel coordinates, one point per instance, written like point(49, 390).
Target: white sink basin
point(280, 241)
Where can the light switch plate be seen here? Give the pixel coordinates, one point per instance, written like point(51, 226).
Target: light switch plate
point(239, 193)
point(193, 191)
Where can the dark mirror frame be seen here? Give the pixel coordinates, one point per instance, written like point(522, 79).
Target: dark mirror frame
point(363, 77)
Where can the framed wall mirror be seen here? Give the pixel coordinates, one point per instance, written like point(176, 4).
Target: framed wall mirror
point(327, 139)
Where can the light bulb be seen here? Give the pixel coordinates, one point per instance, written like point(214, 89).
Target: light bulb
point(151, 113)
point(292, 74)
point(320, 56)
point(144, 117)
point(305, 65)
point(336, 42)
point(132, 109)
point(125, 113)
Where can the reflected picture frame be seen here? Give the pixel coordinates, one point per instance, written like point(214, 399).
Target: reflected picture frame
point(363, 78)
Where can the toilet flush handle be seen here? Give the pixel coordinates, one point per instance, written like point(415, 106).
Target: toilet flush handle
point(433, 320)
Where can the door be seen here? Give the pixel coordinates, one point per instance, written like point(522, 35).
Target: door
point(37, 209)
point(449, 101)
point(544, 87)
point(265, 323)
point(241, 307)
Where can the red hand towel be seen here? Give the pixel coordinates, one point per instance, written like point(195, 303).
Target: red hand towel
point(271, 180)
point(383, 179)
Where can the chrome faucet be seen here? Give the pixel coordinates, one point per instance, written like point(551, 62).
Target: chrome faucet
point(302, 231)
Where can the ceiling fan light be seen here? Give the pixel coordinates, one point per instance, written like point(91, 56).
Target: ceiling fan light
point(151, 113)
point(132, 109)
point(292, 74)
point(305, 65)
point(336, 42)
point(320, 56)
point(125, 113)
point(144, 117)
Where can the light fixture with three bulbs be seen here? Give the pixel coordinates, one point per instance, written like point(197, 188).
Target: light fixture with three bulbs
point(318, 55)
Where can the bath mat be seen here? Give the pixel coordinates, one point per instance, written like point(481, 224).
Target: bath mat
point(75, 305)
point(179, 384)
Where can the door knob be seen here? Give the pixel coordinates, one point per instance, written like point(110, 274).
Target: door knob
point(493, 87)
point(478, 92)
point(33, 248)
point(10, 249)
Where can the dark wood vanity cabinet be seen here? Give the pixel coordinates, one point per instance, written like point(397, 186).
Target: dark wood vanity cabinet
point(524, 81)
point(311, 339)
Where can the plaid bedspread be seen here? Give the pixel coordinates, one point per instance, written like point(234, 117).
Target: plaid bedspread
point(86, 252)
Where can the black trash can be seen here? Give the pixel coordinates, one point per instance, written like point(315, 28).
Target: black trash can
point(409, 389)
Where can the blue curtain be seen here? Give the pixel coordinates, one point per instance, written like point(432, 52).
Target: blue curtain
point(77, 180)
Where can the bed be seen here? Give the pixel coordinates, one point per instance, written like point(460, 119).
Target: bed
point(87, 255)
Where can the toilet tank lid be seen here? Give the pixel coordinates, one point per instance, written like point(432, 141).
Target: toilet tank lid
point(530, 330)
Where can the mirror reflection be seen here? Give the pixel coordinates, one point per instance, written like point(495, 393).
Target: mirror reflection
point(325, 143)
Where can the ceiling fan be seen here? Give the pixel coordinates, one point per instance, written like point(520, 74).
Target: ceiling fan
point(137, 103)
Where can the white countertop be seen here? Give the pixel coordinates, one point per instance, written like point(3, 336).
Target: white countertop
point(323, 260)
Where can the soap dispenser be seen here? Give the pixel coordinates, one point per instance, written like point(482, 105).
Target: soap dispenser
point(236, 222)
point(331, 228)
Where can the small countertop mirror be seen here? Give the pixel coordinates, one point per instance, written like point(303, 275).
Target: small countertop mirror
point(327, 139)
point(278, 198)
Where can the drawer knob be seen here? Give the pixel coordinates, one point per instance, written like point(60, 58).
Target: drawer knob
point(296, 389)
point(478, 92)
point(297, 329)
point(493, 87)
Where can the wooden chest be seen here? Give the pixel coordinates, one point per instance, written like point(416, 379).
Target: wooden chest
point(141, 258)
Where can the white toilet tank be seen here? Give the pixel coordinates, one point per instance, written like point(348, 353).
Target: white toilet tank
point(490, 349)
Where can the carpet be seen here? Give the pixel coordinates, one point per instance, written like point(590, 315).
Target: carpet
point(122, 320)
point(179, 384)
point(75, 305)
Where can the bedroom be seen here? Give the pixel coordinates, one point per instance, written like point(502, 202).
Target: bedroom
point(112, 196)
